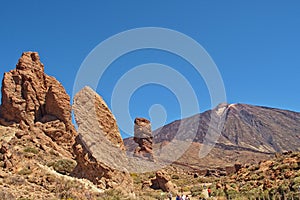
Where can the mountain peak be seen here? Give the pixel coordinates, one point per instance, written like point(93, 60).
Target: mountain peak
point(30, 60)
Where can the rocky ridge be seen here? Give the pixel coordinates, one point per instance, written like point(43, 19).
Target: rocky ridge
point(41, 154)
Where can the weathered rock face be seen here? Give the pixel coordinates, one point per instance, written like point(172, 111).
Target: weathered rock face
point(143, 137)
point(90, 107)
point(162, 181)
point(36, 133)
point(32, 98)
point(99, 147)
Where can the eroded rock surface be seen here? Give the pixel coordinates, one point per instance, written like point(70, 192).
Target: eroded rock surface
point(143, 137)
point(99, 147)
point(162, 181)
point(32, 98)
point(36, 137)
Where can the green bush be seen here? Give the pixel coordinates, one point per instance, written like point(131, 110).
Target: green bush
point(254, 177)
point(283, 188)
point(25, 171)
point(296, 181)
point(246, 187)
point(185, 189)
point(63, 166)
point(175, 176)
point(282, 167)
point(31, 150)
point(136, 178)
point(111, 195)
point(152, 175)
point(251, 193)
point(218, 193)
point(295, 184)
point(295, 166)
point(272, 192)
point(196, 190)
point(233, 185)
point(231, 193)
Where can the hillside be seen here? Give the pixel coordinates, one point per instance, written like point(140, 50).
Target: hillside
point(278, 178)
point(247, 127)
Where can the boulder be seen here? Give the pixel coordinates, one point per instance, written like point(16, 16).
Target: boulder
point(99, 147)
point(162, 181)
point(265, 165)
point(143, 137)
point(146, 185)
point(233, 169)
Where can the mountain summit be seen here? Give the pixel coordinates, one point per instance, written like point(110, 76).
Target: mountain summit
point(247, 127)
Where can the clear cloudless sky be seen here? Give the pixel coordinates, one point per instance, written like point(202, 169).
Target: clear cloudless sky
point(255, 44)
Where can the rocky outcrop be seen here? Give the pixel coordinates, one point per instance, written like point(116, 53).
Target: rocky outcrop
point(32, 98)
point(162, 181)
point(233, 169)
point(99, 147)
point(143, 137)
point(36, 137)
point(31, 167)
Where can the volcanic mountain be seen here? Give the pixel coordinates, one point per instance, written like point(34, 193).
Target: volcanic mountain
point(43, 156)
point(241, 133)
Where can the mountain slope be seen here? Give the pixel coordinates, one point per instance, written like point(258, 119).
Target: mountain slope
point(249, 134)
point(247, 127)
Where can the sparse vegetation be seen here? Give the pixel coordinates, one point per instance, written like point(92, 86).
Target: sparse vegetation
point(279, 180)
point(175, 176)
point(4, 194)
point(31, 150)
point(63, 166)
point(112, 195)
point(196, 190)
point(137, 179)
point(152, 175)
point(25, 171)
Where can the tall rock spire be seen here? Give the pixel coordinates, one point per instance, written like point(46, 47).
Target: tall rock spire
point(32, 98)
point(143, 137)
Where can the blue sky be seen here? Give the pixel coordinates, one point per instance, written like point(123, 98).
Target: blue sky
point(255, 45)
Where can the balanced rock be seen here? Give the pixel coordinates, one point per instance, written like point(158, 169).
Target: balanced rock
point(99, 148)
point(143, 137)
point(32, 98)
